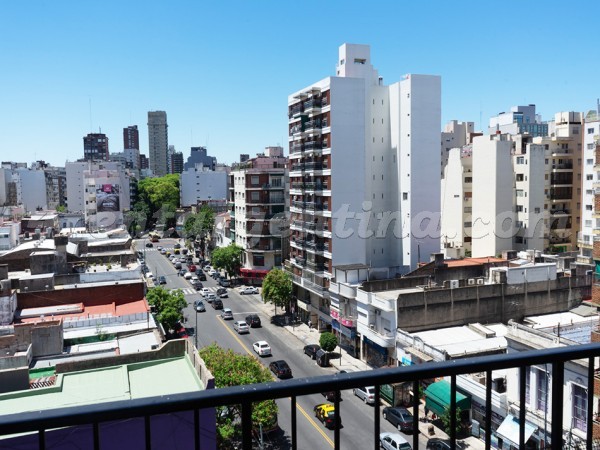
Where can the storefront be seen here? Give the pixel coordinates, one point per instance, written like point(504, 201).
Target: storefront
point(437, 400)
point(346, 337)
point(508, 434)
point(252, 277)
point(374, 354)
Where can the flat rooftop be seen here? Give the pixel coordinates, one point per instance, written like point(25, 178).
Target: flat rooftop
point(123, 382)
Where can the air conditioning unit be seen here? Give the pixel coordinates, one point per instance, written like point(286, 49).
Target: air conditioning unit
point(480, 281)
point(454, 284)
point(471, 281)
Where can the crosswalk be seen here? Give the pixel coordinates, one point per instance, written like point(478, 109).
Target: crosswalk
point(192, 291)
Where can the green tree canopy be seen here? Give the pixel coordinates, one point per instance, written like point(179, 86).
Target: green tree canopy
point(232, 369)
point(228, 258)
point(169, 305)
point(201, 223)
point(447, 417)
point(161, 196)
point(328, 341)
point(277, 288)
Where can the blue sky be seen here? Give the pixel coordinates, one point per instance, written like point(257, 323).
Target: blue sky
point(223, 70)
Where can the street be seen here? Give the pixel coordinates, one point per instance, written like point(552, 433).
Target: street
point(357, 417)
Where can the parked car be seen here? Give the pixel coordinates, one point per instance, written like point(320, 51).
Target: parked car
point(440, 444)
point(207, 268)
point(187, 275)
point(281, 369)
point(224, 283)
point(163, 251)
point(366, 393)
point(149, 275)
point(212, 272)
point(248, 290)
point(222, 293)
point(199, 305)
point(177, 265)
point(149, 244)
point(201, 276)
point(217, 304)
point(197, 285)
point(393, 441)
point(401, 418)
point(311, 350)
point(253, 320)
point(325, 412)
point(191, 268)
point(162, 279)
point(182, 272)
point(180, 331)
point(262, 348)
point(205, 292)
point(241, 327)
point(226, 314)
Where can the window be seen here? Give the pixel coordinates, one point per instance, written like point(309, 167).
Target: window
point(575, 130)
point(589, 177)
point(579, 408)
point(258, 260)
point(405, 196)
point(255, 195)
point(589, 208)
point(519, 177)
point(519, 208)
point(589, 162)
point(468, 179)
point(467, 224)
point(527, 386)
point(519, 192)
point(542, 390)
point(520, 160)
point(591, 146)
point(536, 210)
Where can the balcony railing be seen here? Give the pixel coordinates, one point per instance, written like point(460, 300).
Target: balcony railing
point(91, 417)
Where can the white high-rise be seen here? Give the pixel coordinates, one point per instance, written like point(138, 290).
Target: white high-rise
point(364, 177)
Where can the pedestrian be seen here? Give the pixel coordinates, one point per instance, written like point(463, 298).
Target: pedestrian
point(426, 413)
point(309, 325)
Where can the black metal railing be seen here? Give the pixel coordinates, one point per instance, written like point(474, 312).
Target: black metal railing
point(41, 422)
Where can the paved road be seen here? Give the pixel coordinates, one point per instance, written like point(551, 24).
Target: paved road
point(208, 327)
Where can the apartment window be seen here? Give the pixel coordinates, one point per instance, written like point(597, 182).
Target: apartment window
point(575, 130)
point(405, 196)
point(536, 210)
point(527, 386)
point(579, 411)
point(254, 180)
point(588, 224)
point(589, 162)
point(542, 390)
point(255, 195)
point(591, 146)
point(519, 177)
point(258, 260)
point(590, 131)
point(520, 193)
point(468, 179)
point(589, 192)
point(518, 240)
point(467, 224)
point(589, 177)
point(589, 208)
point(519, 208)
point(520, 160)
point(546, 161)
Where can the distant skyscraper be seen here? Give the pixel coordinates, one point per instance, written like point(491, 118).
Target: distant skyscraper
point(199, 155)
point(158, 142)
point(176, 162)
point(131, 137)
point(144, 163)
point(95, 147)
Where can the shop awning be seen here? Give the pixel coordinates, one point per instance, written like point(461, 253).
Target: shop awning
point(419, 354)
point(509, 430)
point(437, 398)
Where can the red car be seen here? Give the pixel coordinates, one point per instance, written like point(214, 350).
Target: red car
point(191, 267)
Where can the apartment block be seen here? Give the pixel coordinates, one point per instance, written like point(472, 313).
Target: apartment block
point(199, 184)
point(158, 142)
point(364, 159)
point(258, 190)
point(95, 147)
point(590, 178)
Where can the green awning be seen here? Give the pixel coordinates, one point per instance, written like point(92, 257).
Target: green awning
point(437, 398)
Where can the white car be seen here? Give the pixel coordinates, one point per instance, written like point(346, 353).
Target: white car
point(188, 275)
point(262, 348)
point(150, 275)
point(211, 272)
point(248, 290)
point(241, 327)
point(204, 292)
point(194, 278)
point(393, 441)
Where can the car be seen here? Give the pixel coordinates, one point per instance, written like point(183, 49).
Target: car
point(178, 265)
point(325, 412)
point(401, 418)
point(241, 327)
point(440, 444)
point(163, 251)
point(217, 304)
point(197, 285)
point(262, 348)
point(366, 393)
point(393, 441)
point(180, 331)
point(224, 283)
point(195, 278)
point(201, 276)
point(149, 275)
point(162, 279)
point(176, 251)
point(211, 297)
point(212, 272)
point(281, 369)
point(199, 305)
point(311, 350)
point(248, 290)
point(191, 267)
point(208, 268)
point(177, 246)
point(253, 320)
point(226, 314)
point(205, 292)
point(222, 293)
point(182, 272)
point(149, 244)
point(187, 275)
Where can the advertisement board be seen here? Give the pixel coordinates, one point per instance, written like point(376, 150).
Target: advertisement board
point(107, 197)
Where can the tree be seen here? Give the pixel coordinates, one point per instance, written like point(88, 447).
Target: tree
point(446, 417)
point(328, 341)
point(160, 194)
point(200, 224)
point(228, 258)
point(277, 288)
point(169, 305)
point(232, 369)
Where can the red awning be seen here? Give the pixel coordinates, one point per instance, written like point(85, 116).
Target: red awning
point(250, 272)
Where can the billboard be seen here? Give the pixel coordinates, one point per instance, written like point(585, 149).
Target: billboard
point(107, 197)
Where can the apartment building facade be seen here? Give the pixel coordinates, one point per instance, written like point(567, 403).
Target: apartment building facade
point(258, 190)
point(158, 142)
point(364, 160)
point(590, 198)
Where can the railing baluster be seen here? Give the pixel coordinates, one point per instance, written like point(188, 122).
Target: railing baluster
point(338, 420)
point(196, 427)
point(453, 412)
point(376, 422)
point(488, 410)
point(294, 434)
point(96, 436)
point(522, 403)
point(558, 378)
point(42, 439)
point(247, 426)
point(590, 405)
point(147, 433)
point(416, 403)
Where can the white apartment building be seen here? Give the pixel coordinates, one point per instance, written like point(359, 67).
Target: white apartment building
point(590, 212)
point(455, 135)
point(493, 202)
point(519, 120)
point(259, 188)
point(199, 184)
point(9, 234)
point(100, 190)
point(31, 188)
point(364, 189)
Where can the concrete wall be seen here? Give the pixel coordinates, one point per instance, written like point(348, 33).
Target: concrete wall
point(431, 309)
point(14, 379)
